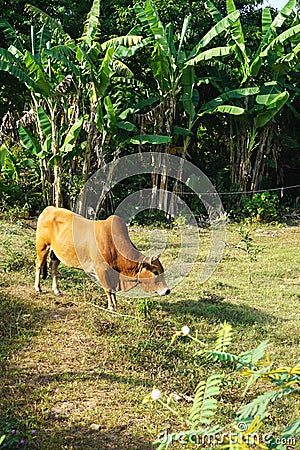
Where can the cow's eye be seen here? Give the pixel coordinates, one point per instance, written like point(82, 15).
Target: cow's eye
point(155, 272)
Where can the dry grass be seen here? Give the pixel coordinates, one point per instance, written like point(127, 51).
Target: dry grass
point(78, 374)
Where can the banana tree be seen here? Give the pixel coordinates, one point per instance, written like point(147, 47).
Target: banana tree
point(253, 89)
point(67, 81)
point(45, 70)
point(174, 114)
point(104, 82)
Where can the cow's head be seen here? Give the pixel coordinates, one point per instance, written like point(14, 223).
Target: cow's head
point(150, 276)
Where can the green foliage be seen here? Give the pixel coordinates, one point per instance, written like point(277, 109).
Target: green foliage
point(147, 306)
point(172, 64)
point(262, 207)
point(250, 247)
point(14, 438)
point(205, 404)
point(19, 184)
point(253, 365)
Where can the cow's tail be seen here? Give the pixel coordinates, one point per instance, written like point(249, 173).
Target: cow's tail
point(53, 257)
point(45, 270)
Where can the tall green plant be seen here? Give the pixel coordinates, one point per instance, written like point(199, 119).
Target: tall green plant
point(68, 82)
point(253, 88)
point(47, 71)
point(172, 66)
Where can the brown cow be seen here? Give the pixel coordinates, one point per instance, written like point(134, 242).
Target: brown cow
point(102, 248)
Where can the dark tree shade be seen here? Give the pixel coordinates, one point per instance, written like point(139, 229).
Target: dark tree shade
point(70, 13)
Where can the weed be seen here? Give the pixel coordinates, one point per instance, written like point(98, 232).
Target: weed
point(13, 437)
point(147, 306)
point(247, 245)
point(203, 417)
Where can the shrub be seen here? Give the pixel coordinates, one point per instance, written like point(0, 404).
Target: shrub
point(262, 207)
point(204, 423)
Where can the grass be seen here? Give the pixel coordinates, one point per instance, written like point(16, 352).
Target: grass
point(73, 375)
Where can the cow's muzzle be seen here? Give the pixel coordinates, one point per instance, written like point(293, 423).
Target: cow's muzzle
point(164, 291)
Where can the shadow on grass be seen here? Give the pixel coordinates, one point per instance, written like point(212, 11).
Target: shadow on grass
point(86, 438)
point(93, 437)
point(216, 308)
point(96, 375)
point(20, 320)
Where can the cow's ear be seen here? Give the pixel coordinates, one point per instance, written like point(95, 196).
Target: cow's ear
point(154, 258)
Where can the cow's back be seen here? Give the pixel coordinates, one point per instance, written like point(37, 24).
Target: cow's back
point(55, 230)
point(86, 244)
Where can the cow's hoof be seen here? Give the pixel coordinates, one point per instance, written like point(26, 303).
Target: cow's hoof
point(38, 290)
point(58, 293)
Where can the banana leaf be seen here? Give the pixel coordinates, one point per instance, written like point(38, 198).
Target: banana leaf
point(221, 27)
point(91, 25)
point(283, 15)
point(272, 109)
point(72, 136)
point(212, 53)
point(124, 41)
point(30, 142)
point(266, 20)
point(188, 82)
point(154, 139)
point(125, 125)
point(213, 11)
point(44, 121)
point(234, 94)
point(281, 39)
point(185, 26)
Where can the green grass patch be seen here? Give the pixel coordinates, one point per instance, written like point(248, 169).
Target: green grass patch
point(76, 374)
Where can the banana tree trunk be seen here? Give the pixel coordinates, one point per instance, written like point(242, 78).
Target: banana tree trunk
point(163, 124)
point(242, 145)
point(57, 191)
point(265, 142)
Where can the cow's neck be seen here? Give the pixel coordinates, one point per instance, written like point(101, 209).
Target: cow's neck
point(130, 265)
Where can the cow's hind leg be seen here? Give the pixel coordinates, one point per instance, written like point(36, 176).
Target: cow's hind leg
point(41, 263)
point(112, 301)
point(54, 265)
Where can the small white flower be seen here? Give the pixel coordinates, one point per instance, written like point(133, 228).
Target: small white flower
point(155, 394)
point(185, 330)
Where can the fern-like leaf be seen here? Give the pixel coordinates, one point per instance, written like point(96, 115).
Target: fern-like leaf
point(293, 430)
point(224, 338)
point(251, 357)
point(221, 356)
point(258, 407)
point(205, 405)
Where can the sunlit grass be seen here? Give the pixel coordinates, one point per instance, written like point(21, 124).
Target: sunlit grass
point(77, 374)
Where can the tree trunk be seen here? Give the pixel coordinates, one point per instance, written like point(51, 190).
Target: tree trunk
point(263, 149)
point(57, 193)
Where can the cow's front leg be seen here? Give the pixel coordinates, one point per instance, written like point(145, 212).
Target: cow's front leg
point(112, 301)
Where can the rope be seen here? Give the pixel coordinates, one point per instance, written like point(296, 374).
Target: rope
point(243, 192)
point(237, 192)
point(127, 316)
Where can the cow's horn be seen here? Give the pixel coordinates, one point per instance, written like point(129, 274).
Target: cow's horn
point(154, 258)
